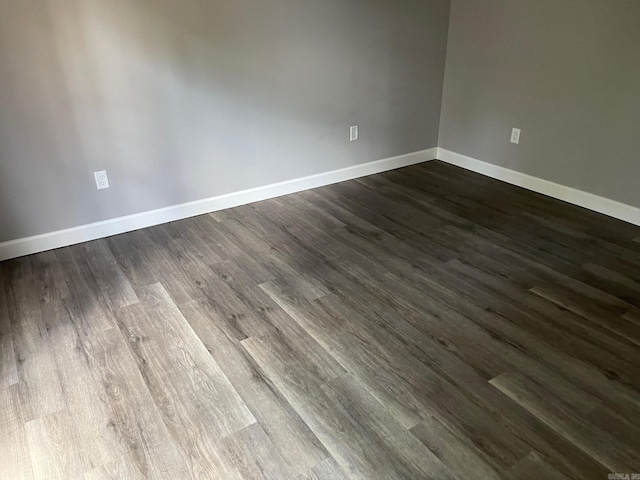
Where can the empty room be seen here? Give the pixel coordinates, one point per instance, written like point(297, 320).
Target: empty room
point(319, 240)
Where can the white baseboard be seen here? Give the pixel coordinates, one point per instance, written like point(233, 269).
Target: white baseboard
point(115, 226)
point(590, 201)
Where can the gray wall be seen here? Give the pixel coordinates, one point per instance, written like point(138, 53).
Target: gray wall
point(565, 71)
point(183, 100)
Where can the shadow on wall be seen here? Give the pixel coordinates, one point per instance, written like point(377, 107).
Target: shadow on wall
point(179, 100)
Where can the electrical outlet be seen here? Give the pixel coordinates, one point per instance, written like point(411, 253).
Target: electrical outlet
point(515, 135)
point(102, 180)
point(353, 133)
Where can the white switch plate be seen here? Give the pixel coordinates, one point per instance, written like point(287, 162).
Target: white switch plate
point(515, 135)
point(102, 180)
point(353, 133)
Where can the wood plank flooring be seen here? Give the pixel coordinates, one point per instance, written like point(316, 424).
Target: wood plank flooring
point(422, 323)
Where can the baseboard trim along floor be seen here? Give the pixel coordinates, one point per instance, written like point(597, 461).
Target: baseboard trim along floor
point(590, 201)
point(84, 233)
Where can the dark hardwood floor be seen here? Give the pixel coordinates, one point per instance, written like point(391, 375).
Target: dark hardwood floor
point(422, 323)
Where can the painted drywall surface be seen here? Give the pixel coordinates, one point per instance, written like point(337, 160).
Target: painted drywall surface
point(566, 72)
point(185, 100)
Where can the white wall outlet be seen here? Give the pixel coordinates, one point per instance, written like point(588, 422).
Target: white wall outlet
point(354, 133)
point(102, 180)
point(515, 135)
